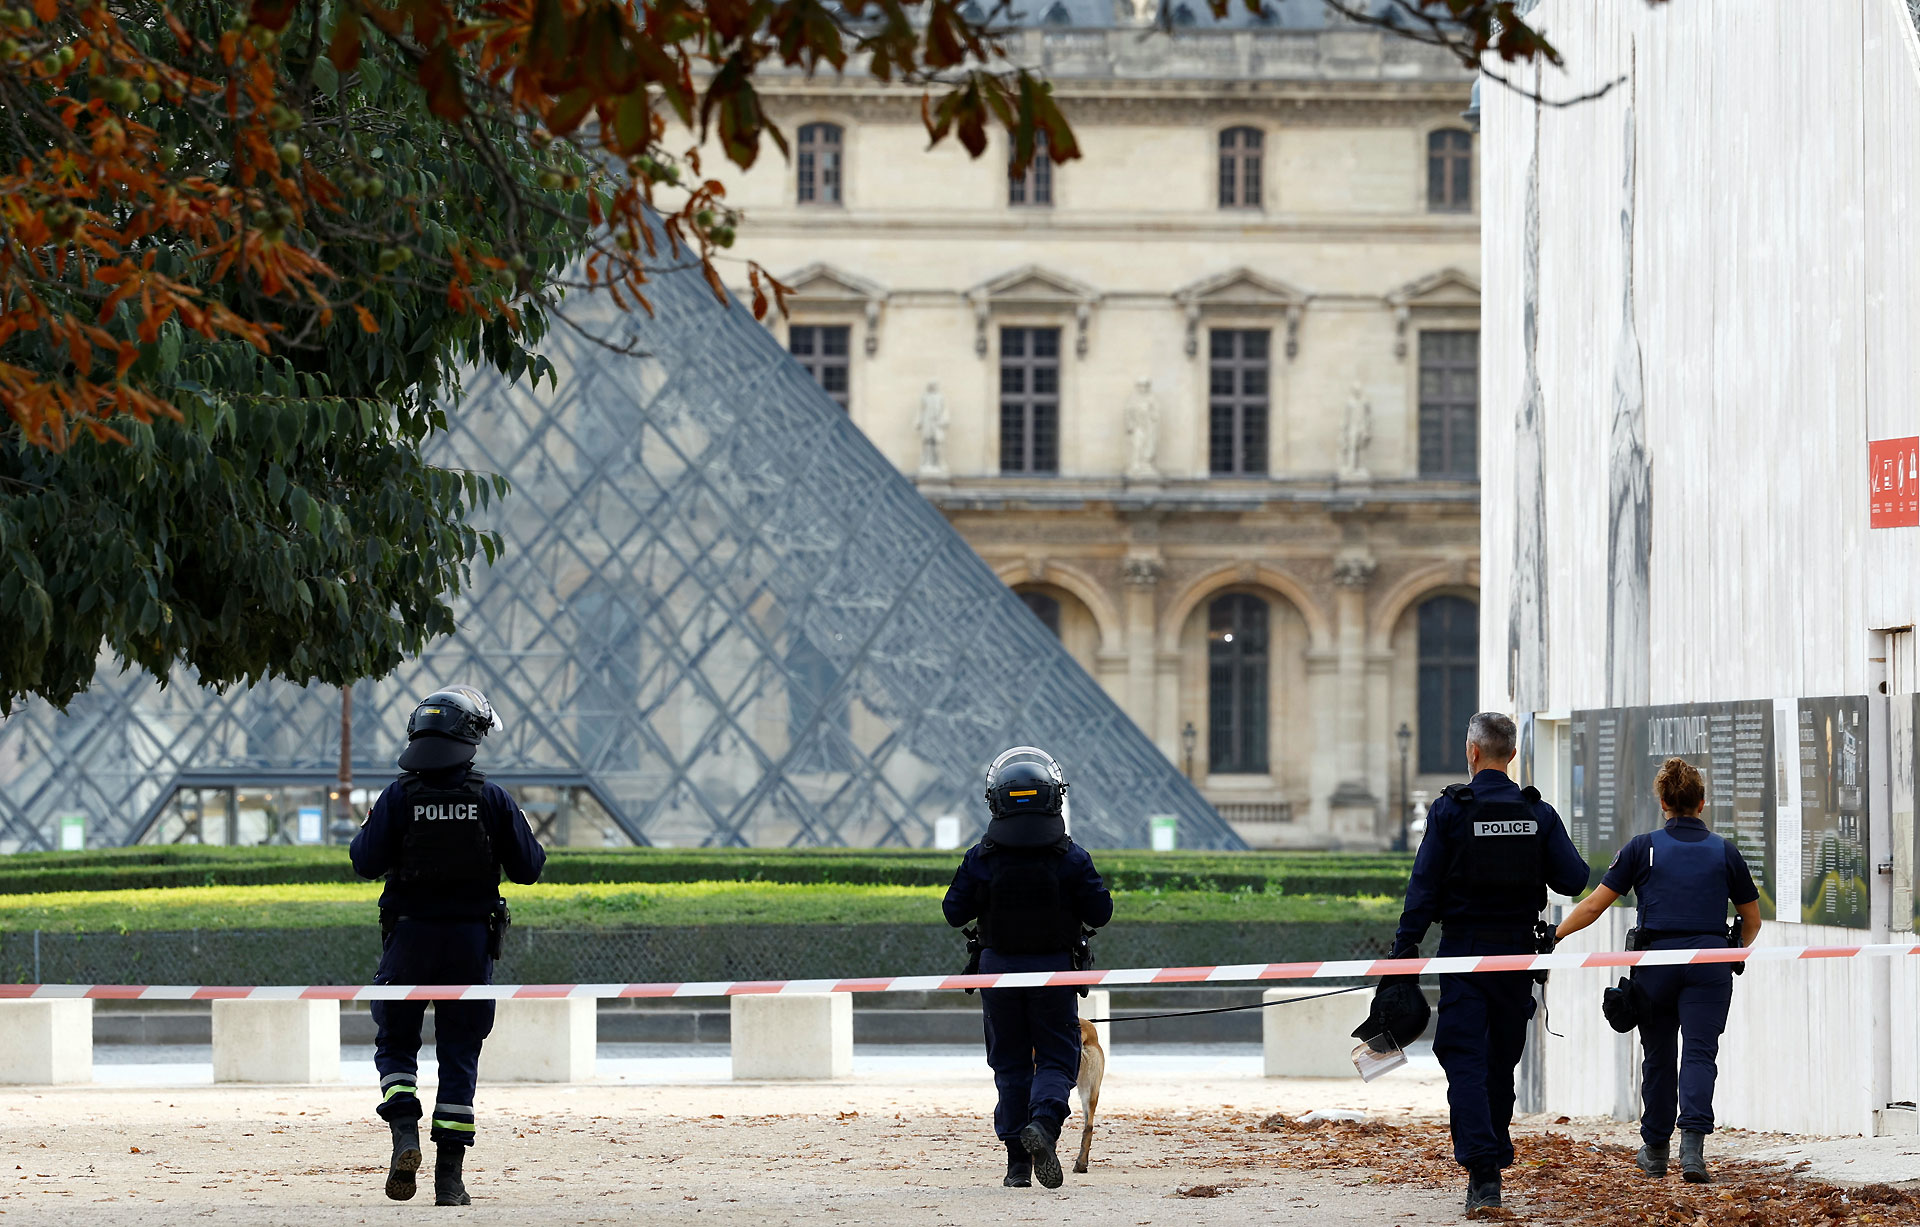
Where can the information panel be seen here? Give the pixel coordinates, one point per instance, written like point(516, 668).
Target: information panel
point(1834, 873)
point(1618, 751)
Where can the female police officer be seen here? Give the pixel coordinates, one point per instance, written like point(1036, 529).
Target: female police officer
point(1683, 877)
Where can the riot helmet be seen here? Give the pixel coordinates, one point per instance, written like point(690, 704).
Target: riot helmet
point(446, 727)
point(1027, 799)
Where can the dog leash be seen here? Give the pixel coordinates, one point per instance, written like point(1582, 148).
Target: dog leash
point(1231, 1009)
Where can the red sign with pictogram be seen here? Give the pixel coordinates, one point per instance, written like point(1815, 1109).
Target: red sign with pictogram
point(1894, 476)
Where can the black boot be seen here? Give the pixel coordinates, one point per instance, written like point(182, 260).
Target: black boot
point(1038, 1138)
point(1693, 1157)
point(447, 1188)
point(406, 1159)
point(1483, 1191)
point(1019, 1166)
point(1652, 1159)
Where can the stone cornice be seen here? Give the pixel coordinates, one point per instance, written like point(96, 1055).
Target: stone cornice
point(1295, 105)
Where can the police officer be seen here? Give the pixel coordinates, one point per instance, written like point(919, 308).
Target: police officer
point(1491, 851)
point(442, 835)
point(1683, 877)
point(1031, 888)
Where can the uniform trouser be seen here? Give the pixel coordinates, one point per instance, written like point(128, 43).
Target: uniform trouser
point(1686, 1010)
point(1033, 1046)
point(433, 952)
point(1478, 1038)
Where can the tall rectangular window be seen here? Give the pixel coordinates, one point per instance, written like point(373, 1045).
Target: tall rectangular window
point(1240, 172)
point(1035, 188)
point(1237, 626)
point(1029, 400)
point(822, 349)
point(1238, 378)
point(1449, 403)
point(1449, 681)
point(1450, 171)
point(817, 162)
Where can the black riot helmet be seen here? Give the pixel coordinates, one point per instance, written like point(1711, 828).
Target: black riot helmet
point(446, 727)
point(1027, 798)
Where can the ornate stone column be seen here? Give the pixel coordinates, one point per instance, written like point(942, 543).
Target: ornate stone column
point(1353, 809)
point(1142, 573)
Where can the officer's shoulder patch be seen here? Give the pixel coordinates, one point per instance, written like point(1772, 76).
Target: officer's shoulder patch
point(1530, 794)
point(1458, 793)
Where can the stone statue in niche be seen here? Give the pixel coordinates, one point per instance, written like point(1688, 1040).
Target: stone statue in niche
point(1142, 420)
point(1355, 435)
point(932, 425)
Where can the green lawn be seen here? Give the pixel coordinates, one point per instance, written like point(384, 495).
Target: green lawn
point(143, 868)
point(614, 905)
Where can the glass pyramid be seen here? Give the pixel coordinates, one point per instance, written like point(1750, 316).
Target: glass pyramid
point(722, 618)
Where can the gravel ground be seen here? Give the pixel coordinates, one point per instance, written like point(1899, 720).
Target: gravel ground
point(1186, 1142)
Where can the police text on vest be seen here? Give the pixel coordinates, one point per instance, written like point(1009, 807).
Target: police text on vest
point(1525, 826)
point(468, 812)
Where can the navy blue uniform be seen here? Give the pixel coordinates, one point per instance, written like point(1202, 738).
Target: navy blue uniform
point(1683, 877)
point(1033, 1034)
point(1482, 1027)
point(438, 936)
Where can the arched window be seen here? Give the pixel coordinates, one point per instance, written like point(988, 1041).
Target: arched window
point(1449, 681)
point(1237, 684)
point(1450, 171)
point(819, 164)
point(1045, 608)
point(1240, 150)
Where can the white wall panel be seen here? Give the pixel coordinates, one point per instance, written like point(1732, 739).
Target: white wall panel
point(1764, 259)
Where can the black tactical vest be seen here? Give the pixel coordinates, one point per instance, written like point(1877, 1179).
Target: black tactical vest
point(1025, 911)
point(1500, 868)
point(445, 846)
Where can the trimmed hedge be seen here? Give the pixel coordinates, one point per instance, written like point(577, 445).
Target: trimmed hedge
point(346, 955)
point(145, 868)
point(626, 905)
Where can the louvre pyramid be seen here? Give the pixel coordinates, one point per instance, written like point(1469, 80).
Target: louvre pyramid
point(721, 614)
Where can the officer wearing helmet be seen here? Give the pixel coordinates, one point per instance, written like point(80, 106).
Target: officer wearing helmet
point(1031, 888)
point(442, 836)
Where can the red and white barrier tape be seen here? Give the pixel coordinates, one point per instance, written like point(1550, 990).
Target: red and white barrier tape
point(920, 984)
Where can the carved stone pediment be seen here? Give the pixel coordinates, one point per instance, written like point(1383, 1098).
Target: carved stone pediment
point(1031, 286)
point(823, 287)
point(1448, 288)
point(1241, 290)
point(1447, 292)
point(823, 283)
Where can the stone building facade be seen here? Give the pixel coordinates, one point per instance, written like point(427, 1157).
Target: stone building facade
point(1205, 396)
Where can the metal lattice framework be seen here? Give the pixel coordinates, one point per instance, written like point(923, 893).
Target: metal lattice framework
point(721, 614)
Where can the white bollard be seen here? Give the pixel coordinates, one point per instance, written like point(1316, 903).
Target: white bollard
point(541, 1039)
point(793, 1035)
point(46, 1041)
point(276, 1041)
point(1312, 1039)
point(1098, 1004)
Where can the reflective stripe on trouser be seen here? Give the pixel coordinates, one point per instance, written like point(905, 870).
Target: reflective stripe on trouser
point(399, 1097)
point(1478, 1036)
point(453, 1124)
point(433, 953)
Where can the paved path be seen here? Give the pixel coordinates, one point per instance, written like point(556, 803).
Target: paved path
point(903, 1141)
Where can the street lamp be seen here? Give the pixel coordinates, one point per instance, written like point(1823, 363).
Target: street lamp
point(1188, 736)
point(1405, 737)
